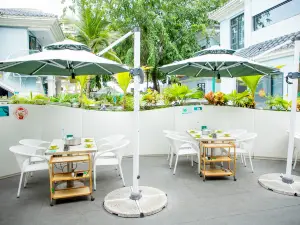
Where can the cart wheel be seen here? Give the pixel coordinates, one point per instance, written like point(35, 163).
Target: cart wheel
point(200, 174)
point(203, 180)
point(92, 198)
point(51, 203)
point(234, 179)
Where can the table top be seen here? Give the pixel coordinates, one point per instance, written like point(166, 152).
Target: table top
point(220, 136)
point(73, 149)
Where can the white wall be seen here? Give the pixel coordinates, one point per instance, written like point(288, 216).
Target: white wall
point(276, 30)
point(46, 122)
point(12, 41)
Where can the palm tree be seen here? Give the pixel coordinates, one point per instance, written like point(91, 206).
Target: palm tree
point(93, 30)
point(123, 79)
point(253, 81)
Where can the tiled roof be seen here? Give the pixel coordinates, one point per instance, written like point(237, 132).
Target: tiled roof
point(257, 49)
point(25, 12)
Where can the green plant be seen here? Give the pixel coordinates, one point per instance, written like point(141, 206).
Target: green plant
point(244, 99)
point(16, 99)
point(40, 99)
point(129, 102)
point(82, 80)
point(151, 97)
point(109, 99)
point(195, 94)
point(252, 82)
point(176, 92)
point(278, 103)
point(86, 102)
point(217, 98)
point(54, 99)
point(123, 80)
point(220, 98)
point(67, 98)
point(209, 97)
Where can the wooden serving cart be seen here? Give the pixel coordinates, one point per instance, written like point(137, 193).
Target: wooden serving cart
point(69, 177)
point(208, 167)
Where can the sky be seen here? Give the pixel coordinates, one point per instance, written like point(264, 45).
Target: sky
point(50, 6)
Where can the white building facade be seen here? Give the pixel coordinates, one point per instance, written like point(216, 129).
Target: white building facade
point(23, 32)
point(262, 30)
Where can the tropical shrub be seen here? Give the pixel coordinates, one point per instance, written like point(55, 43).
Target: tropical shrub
point(86, 102)
point(40, 100)
point(209, 97)
point(244, 99)
point(123, 80)
point(151, 97)
point(114, 100)
point(218, 98)
point(195, 94)
point(278, 103)
point(16, 99)
point(176, 92)
point(128, 102)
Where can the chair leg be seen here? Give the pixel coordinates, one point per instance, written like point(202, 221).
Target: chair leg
point(192, 160)
point(244, 158)
point(175, 165)
point(94, 177)
point(171, 160)
point(295, 162)
point(31, 174)
point(121, 173)
point(26, 175)
point(168, 157)
point(20, 184)
point(251, 162)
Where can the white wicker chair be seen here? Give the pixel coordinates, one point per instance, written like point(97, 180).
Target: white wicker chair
point(23, 155)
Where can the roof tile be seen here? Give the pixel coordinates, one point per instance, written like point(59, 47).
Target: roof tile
point(257, 49)
point(25, 12)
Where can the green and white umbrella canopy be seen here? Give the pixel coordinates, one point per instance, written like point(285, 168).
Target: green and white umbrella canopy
point(216, 61)
point(66, 58)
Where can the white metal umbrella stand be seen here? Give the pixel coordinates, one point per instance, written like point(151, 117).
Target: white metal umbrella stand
point(287, 183)
point(135, 201)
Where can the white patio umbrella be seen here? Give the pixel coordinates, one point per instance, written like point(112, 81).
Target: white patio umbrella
point(66, 58)
point(216, 62)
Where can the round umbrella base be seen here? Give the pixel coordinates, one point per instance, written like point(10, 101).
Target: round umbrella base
point(118, 202)
point(273, 182)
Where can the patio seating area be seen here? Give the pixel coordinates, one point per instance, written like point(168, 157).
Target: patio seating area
point(72, 156)
point(190, 201)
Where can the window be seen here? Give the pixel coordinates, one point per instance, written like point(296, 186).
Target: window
point(237, 32)
point(32, 42)
point(276, 14)
point(201, 86)
point(272, 85)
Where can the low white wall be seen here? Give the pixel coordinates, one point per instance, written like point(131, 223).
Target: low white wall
point(46, 122)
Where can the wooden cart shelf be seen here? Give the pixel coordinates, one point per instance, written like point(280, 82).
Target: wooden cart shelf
point(217, 172)
point(217, 159)
point(208, 160)
point(68, 176)
point(65, 159)
point(72, 192)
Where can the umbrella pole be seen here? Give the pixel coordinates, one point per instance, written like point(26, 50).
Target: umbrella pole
point(135, 189)
point(287, 178)
point(142, 200)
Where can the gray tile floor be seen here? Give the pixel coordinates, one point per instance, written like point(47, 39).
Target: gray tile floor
point(191, 201)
